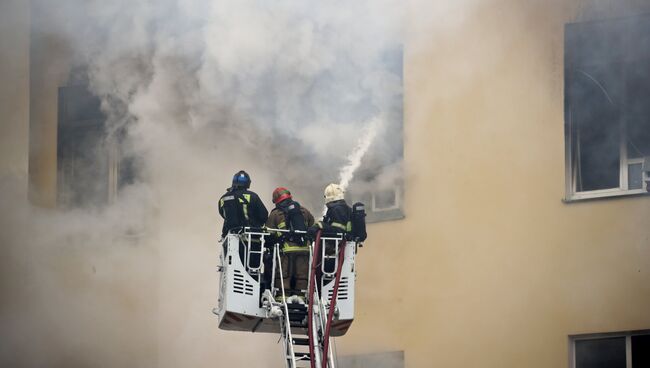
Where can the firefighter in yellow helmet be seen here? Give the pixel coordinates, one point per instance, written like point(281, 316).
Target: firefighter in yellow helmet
point(290, 215)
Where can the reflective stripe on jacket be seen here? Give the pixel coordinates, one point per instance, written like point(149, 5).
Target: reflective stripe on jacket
point(277, 220)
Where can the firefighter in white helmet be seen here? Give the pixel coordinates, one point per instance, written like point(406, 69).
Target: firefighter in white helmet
point(338, 216)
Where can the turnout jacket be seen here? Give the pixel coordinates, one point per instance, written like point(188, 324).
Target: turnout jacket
point(277, 220)
point(240, 207)
point(337, 218)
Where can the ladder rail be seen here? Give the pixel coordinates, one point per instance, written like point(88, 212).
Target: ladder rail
point(333, 257)
point(319, 315)
point(312, 292)
point(249, 233)
point(319, 307)
point(285, 323)
point(332, 308)
point(332, 353)
point(271, 229)
point(320, 327)
point(319, 311)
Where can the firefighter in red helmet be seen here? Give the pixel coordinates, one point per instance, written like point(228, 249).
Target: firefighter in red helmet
point(290, 215)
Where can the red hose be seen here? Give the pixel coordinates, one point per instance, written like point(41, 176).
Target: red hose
point(330, 314)
point(310, 305)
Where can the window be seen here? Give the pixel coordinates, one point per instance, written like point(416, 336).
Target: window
point(382, 190)
point(81, 154)
point(615, 350)
point(607, 107)
point(385, 200)
point(382, 204)
point(379, 182)
point(91, 168)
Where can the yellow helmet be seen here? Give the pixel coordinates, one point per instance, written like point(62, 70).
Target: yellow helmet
point(333, 192)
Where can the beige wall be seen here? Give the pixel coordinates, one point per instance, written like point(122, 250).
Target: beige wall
point(28, 131)
point(490, 268)
point(14, 90)
point(73, 292)
point(50, 66)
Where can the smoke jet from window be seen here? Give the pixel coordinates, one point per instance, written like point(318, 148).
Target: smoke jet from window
point(354, 159)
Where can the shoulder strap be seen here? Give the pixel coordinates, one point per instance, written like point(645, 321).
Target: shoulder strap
point(287, 215)
point(242, 206)
point(242, 197)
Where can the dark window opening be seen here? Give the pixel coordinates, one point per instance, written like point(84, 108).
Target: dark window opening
point(596, 132)
point(601, 353)
point(91, 169)
point(385, 199)
point(637, 109)
point(81, 153)
point(607, 107)
point(641, 351)
point(612, 350)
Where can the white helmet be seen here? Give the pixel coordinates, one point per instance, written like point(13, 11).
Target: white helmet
point(333, 192)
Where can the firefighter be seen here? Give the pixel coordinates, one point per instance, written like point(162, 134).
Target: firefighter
point(240, 207)
point(338, 217)
point(290, 215)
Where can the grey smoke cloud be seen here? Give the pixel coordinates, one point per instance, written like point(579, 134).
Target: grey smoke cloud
point(256, 71)
point(291, 83)
point(203, 89)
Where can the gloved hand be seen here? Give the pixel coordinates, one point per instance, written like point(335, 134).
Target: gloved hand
point(272, 239)
point(311, 232)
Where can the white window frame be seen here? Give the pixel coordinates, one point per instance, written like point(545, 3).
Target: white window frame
point(396, 205)
point(571, 194)
point(571, 172)
point(374, 213)
point(628, 343)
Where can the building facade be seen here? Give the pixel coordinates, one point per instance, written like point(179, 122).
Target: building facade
point(519, 246)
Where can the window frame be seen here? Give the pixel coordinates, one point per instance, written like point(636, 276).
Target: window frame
point(381, 214)
point(70, 124)
point(396, 206)
point(571, 171)
point(595, 336)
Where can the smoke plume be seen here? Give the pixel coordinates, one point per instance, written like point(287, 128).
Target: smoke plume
point(192, 91)
point(354, 160)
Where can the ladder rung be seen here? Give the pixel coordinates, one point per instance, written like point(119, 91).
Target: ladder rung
point(299, 324)
point(297, 306)
point(297, 317)
point(300, 341)
point(302, 356)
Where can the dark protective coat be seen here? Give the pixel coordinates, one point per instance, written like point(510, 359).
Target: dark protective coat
point(277, 220)
point(295, 255)
point(240, 207)
point(337, 218)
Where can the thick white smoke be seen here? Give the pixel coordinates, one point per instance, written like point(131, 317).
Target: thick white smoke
point(291, 83)
point(354, 159)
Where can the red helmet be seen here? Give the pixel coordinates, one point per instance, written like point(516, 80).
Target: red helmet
point(280, 194)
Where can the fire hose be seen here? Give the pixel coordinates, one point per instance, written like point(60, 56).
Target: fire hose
point(330, 316)
point(312, 284)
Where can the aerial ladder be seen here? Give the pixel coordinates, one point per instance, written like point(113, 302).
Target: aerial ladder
point(306, 326)
point(326, 256)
